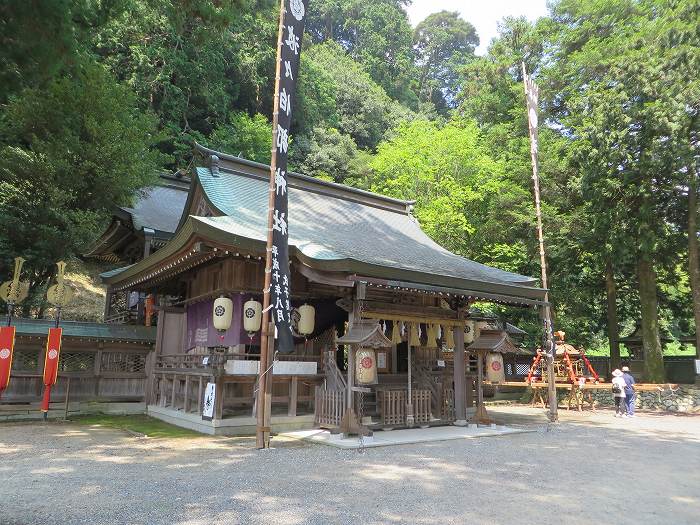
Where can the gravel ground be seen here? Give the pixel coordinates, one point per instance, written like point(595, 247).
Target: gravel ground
point(589, 468)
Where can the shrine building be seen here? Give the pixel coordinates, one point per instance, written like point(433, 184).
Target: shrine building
point(381, 293)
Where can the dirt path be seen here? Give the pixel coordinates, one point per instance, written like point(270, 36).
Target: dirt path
point(590, 468)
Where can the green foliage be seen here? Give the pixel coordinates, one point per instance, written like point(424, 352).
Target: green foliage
point(351, 100)
point(190, 62)
point(99, 96)
point(376, 34)
point(245, 136)
point(327, 153)
point(70, 152)
point(444, 43)
point(458, 187)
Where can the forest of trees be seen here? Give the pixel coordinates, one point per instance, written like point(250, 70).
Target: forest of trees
point(97, 98)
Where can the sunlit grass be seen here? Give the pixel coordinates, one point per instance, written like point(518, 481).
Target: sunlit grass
point(140, 424)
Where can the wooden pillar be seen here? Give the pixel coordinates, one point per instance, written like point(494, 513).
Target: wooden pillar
point(262, 433)
point(410, 420)
point(551, 379)
point(394, 359)
point(172, 397)
point(470, 392)
point(150, 377)
point(98, 367)
point(162, 390)
point(481, 416)
point(219, 399)
point(186, 401)
point(268, 387)
point(293, 394)
point(200, 391)
point(479, 380)
point(351, 376)
point(460, 375)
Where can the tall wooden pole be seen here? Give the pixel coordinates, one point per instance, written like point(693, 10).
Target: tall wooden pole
point(262, 433)
point(532, 94)
point(459, 371)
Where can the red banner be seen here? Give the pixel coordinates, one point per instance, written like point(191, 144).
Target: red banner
point(7, 345)
point(53, 351)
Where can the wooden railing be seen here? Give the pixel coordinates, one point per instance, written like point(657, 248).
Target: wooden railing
point(103, 374)
point(394, 406)
point(330, 407)
point(207, 362)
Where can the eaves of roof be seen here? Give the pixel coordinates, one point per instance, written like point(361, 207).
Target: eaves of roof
point(86, 330)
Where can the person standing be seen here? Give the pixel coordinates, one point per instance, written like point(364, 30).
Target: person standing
point(629, 391)
point(618, 390)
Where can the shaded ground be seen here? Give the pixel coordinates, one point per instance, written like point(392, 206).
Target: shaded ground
point(589, 468)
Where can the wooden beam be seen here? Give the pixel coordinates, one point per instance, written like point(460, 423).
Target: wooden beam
point(293, 396)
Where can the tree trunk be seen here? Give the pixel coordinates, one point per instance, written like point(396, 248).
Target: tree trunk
point(693, 262)
point(651, 343)
point(613, 326)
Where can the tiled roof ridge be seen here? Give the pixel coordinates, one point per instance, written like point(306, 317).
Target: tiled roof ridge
point(310, 183)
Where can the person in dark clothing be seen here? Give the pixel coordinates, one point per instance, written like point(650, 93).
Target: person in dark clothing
point(629, 391)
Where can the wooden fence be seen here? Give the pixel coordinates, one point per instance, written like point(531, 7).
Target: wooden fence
point(98, 371)
point(330, 407)
point(393, 405)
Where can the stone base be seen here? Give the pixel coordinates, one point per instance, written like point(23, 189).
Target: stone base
point(685, 399)
point(233, 426)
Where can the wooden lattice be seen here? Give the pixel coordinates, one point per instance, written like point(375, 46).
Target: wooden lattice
point(123, 362)
point(76, 362)
point(25, 361)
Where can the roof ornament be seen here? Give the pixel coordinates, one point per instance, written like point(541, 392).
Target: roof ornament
point(214, 165)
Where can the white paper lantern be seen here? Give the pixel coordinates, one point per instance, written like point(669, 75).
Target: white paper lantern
point(494, 367)
point(307, 318)
point(469, 329)
point(252, 316)
point(365, 366)
point(223, 313)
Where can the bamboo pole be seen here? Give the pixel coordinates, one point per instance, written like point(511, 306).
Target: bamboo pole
point(262, 437)
point(546, 311)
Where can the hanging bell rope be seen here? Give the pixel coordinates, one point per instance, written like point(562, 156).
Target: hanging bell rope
point(449, 336)
point(432, 336)
point(414, 337)
point(396, 333)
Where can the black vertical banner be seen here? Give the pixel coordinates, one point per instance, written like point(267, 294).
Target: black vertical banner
point(292, 31)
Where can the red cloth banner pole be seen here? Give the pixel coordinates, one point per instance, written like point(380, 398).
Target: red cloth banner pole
point(7, 345)
point(53, 352)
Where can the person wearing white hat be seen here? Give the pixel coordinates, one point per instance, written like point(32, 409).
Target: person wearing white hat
point(629, 391)
point(618, 390)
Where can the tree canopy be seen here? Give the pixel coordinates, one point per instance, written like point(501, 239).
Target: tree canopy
point(97, 98)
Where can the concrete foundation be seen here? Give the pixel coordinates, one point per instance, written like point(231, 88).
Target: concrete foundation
point(233, 426)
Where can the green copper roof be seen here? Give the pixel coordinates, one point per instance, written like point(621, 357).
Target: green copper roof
point(333, 228)
point(115, 332)
point(340, 231)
